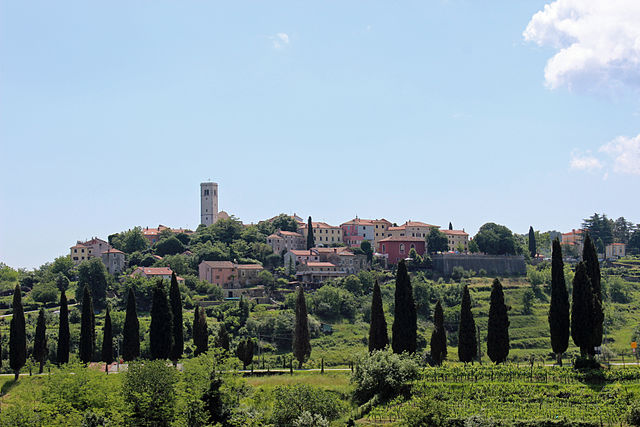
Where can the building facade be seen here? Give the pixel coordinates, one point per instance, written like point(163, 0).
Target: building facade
point(229, 275)
point(396, 248)
point(315, 273)
point(163, 273)
point(323, 233)
point(285, 241)
point(356, 231)
point(82, 251)
point(458, 239)
point(208, 203)
point(114, 261)
point(153, 234)
point(380, 227)
point(615, 250)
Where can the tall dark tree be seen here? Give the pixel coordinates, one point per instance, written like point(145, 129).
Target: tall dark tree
point(559, 307)
point(222, 339)
point(63, 331)
point(200, 331)
point(213, 400)
point(93, 273)
point(87, 327)
point(244, 351)
point(131, 330)
point(467, 341)
point(378, 337)
point(582, 311)
point(40, 350)
point(107, 341)
point(311, 241)
point(533, 250)
point(590, 257)
point(438, 336)
point(301, 340)
point(17, 335)
point(404, 329)
point(498, 326)
point(176, 311)
point(450, 226)
point(161, 327)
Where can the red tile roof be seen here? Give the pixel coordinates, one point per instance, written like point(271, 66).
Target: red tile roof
point(455, 232)
point(402, 239)
point(359, 221)
point(249, 267)
point(290, 233)
point(299, 252)
point(113, 251)
point(218, 264)
point(274, 236)
point(420, 224)
point(320, 264)
point(153, 271)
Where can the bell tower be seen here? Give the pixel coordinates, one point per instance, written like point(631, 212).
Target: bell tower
point(208, 203)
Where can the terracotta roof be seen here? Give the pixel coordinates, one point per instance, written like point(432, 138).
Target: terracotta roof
point(455, 232)
point(419, 224)
point(401, 239)
point(617, 244)
point(290, 233)
point(337, 250)
point(359, 221)
point(320, 225)
point(320, 264)
point(94, 241)
point(249, 267)
point(381, 220)
point(79, 245)
point(153, 271)
point(218, 264)
point(400, 227)
point(274, 236)
point(299, 252)
point(113, 251)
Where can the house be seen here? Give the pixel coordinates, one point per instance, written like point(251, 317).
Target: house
point(380, 230)
point(396, 248)
point(323, 233)
point(411, 229)
point(615, 250)
point(343, 258)
point(113, 260)
point(295, 257)
point(285, 241)
point(229, 275)
point(356, 231)
point(155, 273)
point(248, 274)
point(318, 272)
point(457, 238)
point(153, 234)
point(82, 251)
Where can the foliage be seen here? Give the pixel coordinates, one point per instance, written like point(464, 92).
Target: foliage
point(527, 301)
point(617, 290)
point(467, 341)
point(149, 390)
point(161, 328)
point(131, 330)
point(404, 328)
point(559, 307)
point(384, 374)
point(107, 340)
point(291, 401)
point(582, 310)
point(200, 331)
point(93, 273)
point(307, 419)
point(331, 302)
point(40, 351)
point(533, 249)
point(498, 325)
point(600, 228)
point(301, 340)
point(378, 337)
point(45, 292)
point(244, 351)
point(425, 412)
point(633, 415)
point(169, 246)
point(285, 223)
point(495, 239)
point(63, 331)
point(437, 241)
point(438, 336)
point(590, 257)
point(87, 327)
point(222, 338)
point(129, 241)
point(311, 242)
point(176, 315)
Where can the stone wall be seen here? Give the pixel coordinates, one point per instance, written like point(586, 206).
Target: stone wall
point(492, 264)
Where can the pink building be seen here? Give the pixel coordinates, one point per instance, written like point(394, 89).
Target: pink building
point(219, 273)
point(397, 248)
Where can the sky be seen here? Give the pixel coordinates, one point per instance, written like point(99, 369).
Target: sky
point(515, 112)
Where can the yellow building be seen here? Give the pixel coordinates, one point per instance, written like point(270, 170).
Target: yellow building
point(380, 227)
point(323, 233)
point(411, 229)
point(457, 238)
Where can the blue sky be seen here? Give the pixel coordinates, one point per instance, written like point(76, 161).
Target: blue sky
point(111, 114)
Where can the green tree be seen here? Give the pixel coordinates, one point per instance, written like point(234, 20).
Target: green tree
point(131, 330)
point(149, 390)
point(450, 226)
point(590, 257)
point(107, 341)
point(63, 331)
point(40, 350)
point(244, 351)
point(92, 273)
point(527, 301)
point(161, 327)
point(367, 249)
point(582, 310)
point(438, 336)
point(437, 241)
point(301, 339)
point(62, 282)
point(169, 246)
point(200, 331)
point(495, 239)
point(533, 250)
point(622, 230)
point(404, 329)
point(87, 327)
point(498, 326)
point(599, 228)
point(17, 334)
point(311, 241)
point(285, 223)
point(378, 337)
point(473, 247)
point(222, 339)
point(213, 400)
point(176, 312)
point(129, 241)
point(467, 341)
point(559, 306)
point(63, 265)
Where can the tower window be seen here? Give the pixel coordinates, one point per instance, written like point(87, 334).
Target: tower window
point(206, 192)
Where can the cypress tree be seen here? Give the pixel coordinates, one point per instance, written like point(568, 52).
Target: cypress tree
point(405, 320)
point(498, 326)
point(311, 241)
point(222, 339)
point(40, 340)
point(200, 331)
point(63, 330)
point(87, 327)
point(559, 306)
point(176, 311)
point(438, 336)
point(160, 330)
point(131, 330)
point(107, 341)
point(467, 342)
point(450, 226)
point(245, 352)
point(213, 403)
point(17, 335)
point(592, 264)
point(378, 337)
point(581, 310)
point(533, 250)
point(301, 342)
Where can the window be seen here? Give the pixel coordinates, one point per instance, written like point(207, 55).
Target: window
point(384, 249)
point(401, 248)
point(413, 246)
point(206, 192)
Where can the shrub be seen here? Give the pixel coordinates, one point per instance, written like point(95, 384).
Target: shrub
point(426, 412)
point(307, 419)
point(45, 292)
point(292, 401)
point(384, 374)
point(149, 390)
point(633, 416)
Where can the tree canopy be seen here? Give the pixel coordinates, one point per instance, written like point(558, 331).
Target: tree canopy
point(495, 239)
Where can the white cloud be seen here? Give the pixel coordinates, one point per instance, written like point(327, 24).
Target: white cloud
point(280, 40)
point(625, 153)
point(584, 162)
point(598, 42)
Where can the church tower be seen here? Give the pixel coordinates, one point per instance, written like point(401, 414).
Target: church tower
point(208, 203)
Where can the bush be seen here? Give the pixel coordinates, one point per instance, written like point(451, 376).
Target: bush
point(383, 373)
point(149, 389)
point(426, 412)
point(633, 416)
point(292, 401)
point(586, 364)
point(307, 419)
point(45, 292)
